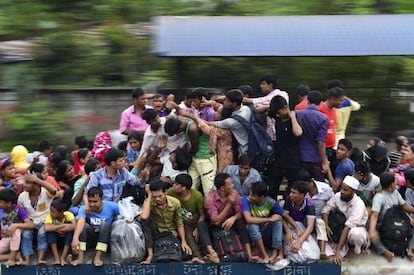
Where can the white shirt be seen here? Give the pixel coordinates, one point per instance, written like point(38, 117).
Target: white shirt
point(39, 211)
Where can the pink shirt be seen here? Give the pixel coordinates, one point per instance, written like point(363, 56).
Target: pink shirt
point(132, 121)
point(215, 205)
point(265, 100)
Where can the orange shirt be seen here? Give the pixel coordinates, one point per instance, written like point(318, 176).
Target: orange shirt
point(331, 128)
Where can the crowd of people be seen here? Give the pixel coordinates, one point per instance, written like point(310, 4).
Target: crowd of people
point(189, 168)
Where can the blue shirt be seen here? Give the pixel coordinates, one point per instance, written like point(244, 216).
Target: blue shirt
point(112, 188)
point(266, 209)
point(109, 211)
point(314, 125)
point(345, 168)
point(252, 177)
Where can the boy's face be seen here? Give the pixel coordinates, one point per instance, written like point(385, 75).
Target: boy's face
point(342, 152)
point(95, 203)
point(158, 104)
point(295, 196)
point(266, 87)
point(4, 204)
point(55, 214)
point(173, 160)
point(254, 198)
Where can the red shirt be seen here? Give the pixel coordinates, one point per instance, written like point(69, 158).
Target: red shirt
point(331, 128)
point(302, 105)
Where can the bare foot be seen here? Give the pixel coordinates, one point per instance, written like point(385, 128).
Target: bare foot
point(56, 262)
point(351, 253)
point(213, 257)
point(410, 254)
point(41, 262)
point(253, 259)
point(76, 262)
point(10, 263)
point(63, 262)
point(324, 257)
point(97, 261)
point(276, 258)
point(389, 255)
point(265, 260)
point(148, 260)
point(25, 262)
point(197, 260)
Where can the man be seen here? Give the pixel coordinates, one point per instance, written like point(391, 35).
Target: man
point(192, 204)
point(355, 233)
point(286, 145)
point(268, 85)
point(223, 207)
point(204, 165)
point(161, 213)
point(312, 142)
point(36, 200)
point(343, 112)
point(197, 96)
point(387, 198)
point(158, 103)
point(95, 227)
point(243, 175)
point(328, 107)
point(233, 102)
point(263, 216)
point(111, 178)
point(302, 92)
point(318, 193)
point(369, 184)
point(299, 221)
point(131, 119)
point(345, 167)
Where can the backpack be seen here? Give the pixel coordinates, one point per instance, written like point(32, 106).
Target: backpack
point(260, 144)
point(228, 246)
point(167, 248)
point(395, 231)
point(336, 221)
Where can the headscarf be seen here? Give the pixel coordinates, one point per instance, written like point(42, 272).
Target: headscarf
point(18, 157)
point(101, 145)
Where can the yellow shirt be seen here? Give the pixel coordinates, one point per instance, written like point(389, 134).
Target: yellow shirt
point(68, 217)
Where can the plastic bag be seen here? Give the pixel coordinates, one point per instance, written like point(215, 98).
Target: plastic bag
point(128, 209)
point(309, 252)
point(127, 237)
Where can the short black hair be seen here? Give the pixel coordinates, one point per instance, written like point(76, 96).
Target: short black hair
point(148, 115)
point(336, 92)
point(95, 191)
point(246, 90)
point(184, 180)
point(386, 179)
point(270, 79)
point(315, 97)
point(276, 104)
point(346, 142)
point(158, 185)
point(300, 186)
point(220, 180)
point(362, 167)
point(259, 188)
point(235, 96)
point(335, 83)
point(137, 92)
point(302, 90)
point(59, 205)
point(172, 126)
point(303, 175)
point(37, 168)
point(409, 175)
point(81, 141)
point(8, 195)
point(183, 159)
point(43, 145)
point(83, 152)
point(199, 93)
point(90, 165)
point(245, 160)
point(112, 154)
point(122, 145)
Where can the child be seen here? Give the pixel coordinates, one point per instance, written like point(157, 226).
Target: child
point(59, 227)
point(40, 168)
point(135, 142)
point(14, 218)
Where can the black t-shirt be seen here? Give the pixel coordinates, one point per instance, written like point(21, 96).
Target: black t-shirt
point(286, 145)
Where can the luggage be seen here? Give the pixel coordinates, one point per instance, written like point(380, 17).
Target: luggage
point(228, 246)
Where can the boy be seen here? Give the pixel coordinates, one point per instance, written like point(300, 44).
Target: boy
point(59, 226)
point(346, 166)
point(14, 218)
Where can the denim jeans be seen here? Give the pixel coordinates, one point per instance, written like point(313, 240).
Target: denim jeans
point(270, 231)
point(27, 240)
point(53, 237)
